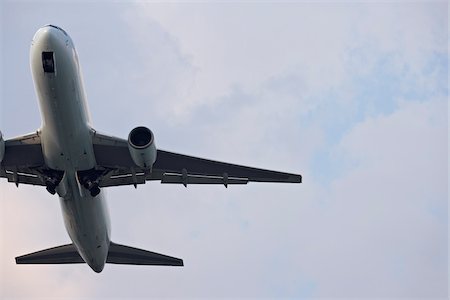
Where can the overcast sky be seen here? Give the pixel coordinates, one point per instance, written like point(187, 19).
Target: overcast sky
point(353, 96)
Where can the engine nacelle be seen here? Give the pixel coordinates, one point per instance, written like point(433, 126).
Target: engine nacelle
point(141, 143)
point(2, 147)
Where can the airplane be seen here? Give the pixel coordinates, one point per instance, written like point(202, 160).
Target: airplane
point(68, 157)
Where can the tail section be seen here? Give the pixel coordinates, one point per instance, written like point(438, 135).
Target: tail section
point(118, 254)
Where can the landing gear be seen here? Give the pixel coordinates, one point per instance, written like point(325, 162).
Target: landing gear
point(92, 187)
point(51, 179)
point(95, 190)
point(90, 180)
point(51, 188)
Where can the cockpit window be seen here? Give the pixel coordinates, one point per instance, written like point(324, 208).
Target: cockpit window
point(48, 62)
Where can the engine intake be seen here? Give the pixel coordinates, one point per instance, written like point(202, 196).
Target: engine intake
point(2, 147)
point(141, 144)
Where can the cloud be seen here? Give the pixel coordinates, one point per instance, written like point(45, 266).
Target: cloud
point(274, 40)
point(383, 209)
point(353, 96)
point(31, 221)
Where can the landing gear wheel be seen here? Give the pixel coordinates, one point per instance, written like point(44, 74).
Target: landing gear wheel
point(94, 190)
point(51, 188)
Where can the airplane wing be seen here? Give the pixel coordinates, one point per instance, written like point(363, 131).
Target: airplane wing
point(112, 154)
point(23, 161)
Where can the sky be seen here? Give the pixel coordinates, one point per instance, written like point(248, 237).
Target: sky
point(353, 95)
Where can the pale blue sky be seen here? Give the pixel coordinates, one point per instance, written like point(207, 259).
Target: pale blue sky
point(354, 96)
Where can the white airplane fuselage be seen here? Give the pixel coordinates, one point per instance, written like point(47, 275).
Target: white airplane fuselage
point(66, 137)
point(68, 157)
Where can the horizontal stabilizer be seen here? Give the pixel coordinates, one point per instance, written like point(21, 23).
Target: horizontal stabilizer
point(66, 254)
point(119, 254)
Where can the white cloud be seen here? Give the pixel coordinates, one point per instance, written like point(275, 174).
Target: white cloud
point(246, 44)
point(387, 214)
point(30, 221)
point(270, 85)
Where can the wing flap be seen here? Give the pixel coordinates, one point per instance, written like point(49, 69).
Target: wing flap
point(122, 177)
point(120, 254)
point(199, 179)
point(22, 177)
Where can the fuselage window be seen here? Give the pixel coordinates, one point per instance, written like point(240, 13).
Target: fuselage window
point(48, 62)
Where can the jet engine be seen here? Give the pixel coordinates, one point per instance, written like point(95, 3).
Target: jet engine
point(2, 147)
point(141, 143)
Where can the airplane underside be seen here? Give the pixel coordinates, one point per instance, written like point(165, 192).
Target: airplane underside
point(70, 158)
